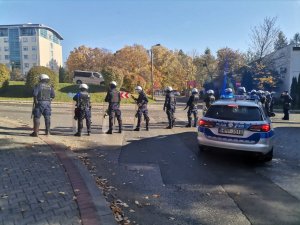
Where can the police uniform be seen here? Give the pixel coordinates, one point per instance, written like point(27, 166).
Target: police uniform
point(83, 111)
point(193, 109)
point(170, 106)
point(209, 100)
point(43, 93)
point(142, 102)
point(113, 98)
point(287, 100)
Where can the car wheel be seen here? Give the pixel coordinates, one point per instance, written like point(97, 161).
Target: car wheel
point(269, 156)
point(78, 82)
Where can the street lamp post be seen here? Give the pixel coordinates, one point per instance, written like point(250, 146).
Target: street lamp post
point(152, 68)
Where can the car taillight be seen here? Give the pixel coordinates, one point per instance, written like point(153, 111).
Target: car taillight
point(260, 128)
point(204, 123)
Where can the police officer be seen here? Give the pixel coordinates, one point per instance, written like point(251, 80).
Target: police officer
point(170, 106)
point(83, 109)
point(113, 98)
point(142, 102)
point(262, 97)
point(43, 93)
point(193, 108)
point(287, 100)
point(253, 95)
point(210, 98)
point(241, 91)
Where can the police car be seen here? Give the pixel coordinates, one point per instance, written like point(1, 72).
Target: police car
point(237, 124)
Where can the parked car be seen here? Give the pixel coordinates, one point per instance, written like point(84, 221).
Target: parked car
point(240, 125)
point(87, 77)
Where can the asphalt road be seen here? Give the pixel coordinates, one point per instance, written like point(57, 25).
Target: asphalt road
point(164, 180)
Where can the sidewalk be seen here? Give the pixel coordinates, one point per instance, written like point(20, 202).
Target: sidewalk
point(40, 183)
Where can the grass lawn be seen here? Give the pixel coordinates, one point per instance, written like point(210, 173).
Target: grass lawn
point(17, 91)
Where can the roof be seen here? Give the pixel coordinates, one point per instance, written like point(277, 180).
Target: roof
point(30, 25)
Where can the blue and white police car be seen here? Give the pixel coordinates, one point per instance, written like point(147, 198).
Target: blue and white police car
point(237, 124)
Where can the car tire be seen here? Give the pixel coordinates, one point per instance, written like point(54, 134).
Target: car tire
point(78, 82)
point(269, 156)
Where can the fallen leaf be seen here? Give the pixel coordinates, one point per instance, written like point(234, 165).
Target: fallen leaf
point(155, 196)
point(131, 210)
point(62, 193)
point(171, 218)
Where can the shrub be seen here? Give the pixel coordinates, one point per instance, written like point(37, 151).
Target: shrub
point(4, 74)
point(33, 76)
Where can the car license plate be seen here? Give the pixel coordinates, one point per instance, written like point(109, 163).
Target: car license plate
point(231, 131)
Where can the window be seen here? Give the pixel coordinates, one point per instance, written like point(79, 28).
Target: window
point(33, 48)
point(6, 49)
point(25, 48)
point(0, 49)
point(33, 39)
point(6, 57)
point(0, 57)
point(33, 64)
point(26, 65)
point(5, 39)
point(238, 113)
point(34, 56)
point(25, 56)
point(25, 39)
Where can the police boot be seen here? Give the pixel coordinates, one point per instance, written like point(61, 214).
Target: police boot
point(80, 126)
point(120, 126)
point(47, 126)
point(170, 125)
point(109, 131)
point(189, 122)
point(173, 122)
point(36, 126)
point(138, 124)
point(147, 124)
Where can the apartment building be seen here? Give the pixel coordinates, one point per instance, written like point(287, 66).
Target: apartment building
point(26, 45)
point(286, 61)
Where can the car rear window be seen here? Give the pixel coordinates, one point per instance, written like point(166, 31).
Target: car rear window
point(234, 112)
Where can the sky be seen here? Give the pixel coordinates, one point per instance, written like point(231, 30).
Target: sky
point(190, 25)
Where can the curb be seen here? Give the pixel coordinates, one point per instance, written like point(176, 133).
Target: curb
point(94, 209)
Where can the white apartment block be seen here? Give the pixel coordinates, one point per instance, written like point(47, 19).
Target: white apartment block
point(26, 45)
point(286, 61)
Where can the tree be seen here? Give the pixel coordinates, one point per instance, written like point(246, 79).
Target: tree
point(4, 73)
point(62, 75)
point(298, 91)
point(134, 61)
point(247, 78)
point(90, 59)
point(34, 73)
point(293, 91)
point(296, 40)
point(263, 37)
point(16, 74)
point(281, 41)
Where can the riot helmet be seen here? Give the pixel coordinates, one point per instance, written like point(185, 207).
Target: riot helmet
point(83, 87)
point(228, 90)
point(44, 77)
point(194, 91)
point(113, 84)
point(169, 89)
point(138, 89)
point(210, 92)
